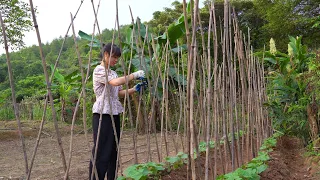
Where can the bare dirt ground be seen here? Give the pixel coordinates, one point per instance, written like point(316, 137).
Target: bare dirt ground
point(288, 162)
point(48, 164)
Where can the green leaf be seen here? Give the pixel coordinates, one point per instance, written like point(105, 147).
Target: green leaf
point(261, 168)
point(178, 78)
point(180, 48)
point(221, 177)
point(271, 60)
point(57, 75)
point(155, 166)
point(189, 7)
point(172, 160)
point(263, 156)
point(138, 26)
point(253, 164)
point(245, 173)
point(86, 36)
point(137, 172)
point(139, 64)
point(129, 36)
point(121, 178)
point(175, 31)
point(73, 76)
point(182, 155)
point(232, 176)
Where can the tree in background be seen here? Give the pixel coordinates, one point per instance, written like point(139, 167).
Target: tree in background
point(162, 19)
point(17, 18)
point(283, 17)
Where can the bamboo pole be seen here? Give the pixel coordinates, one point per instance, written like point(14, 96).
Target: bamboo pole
point(203, 97)
point(239, 55)
point(147, 123)
point(191, 121)
point(190, 89)
point(187, 134)
point(227, 41)
point(220, 109)
point(13, 94)
point(167, 105)
point(54, 115)
point(234, 84)
point(225, 113)
point(82, 95)
point(217, 76)
point(119, 164)
point(134, 138)
point(165, 98)
point(142, 99)
point(177, 68)
point(153, 110)
point(209, 98)
point(141, 54)
point(46, 99)
point(86, 79)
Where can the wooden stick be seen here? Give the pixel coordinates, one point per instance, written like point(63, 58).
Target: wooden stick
point(82, 94)
point(209, 99)
point(13, 95)
point(187, 134)
point(44, 65)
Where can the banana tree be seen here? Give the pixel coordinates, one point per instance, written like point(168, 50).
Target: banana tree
point(64, 86)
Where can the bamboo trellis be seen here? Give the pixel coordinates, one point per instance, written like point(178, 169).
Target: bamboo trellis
point(221, 102)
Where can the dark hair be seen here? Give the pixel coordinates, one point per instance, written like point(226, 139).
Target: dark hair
point(116, 51)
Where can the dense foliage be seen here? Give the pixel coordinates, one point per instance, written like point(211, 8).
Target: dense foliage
point(291, 87)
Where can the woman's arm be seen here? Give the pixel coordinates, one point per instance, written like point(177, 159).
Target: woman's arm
point(122, 93)
point(121, 80)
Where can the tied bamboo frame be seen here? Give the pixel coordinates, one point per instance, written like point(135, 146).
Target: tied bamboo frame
point(230, 100)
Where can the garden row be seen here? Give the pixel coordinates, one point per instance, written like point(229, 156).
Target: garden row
point(249, 171)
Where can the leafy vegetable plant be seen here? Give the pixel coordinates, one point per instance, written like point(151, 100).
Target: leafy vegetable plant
point(142, 171)
point(256, 166)
point(176, 161)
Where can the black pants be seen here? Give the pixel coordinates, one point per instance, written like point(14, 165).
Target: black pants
point(106, 160)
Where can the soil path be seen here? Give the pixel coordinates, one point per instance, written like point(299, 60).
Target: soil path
point(288, 162)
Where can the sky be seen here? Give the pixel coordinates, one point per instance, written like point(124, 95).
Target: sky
point(54, 16)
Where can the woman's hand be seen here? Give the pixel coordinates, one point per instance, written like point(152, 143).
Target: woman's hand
point(138, 87)
point(138, 74)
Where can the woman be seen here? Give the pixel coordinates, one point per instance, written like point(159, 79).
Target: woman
point(106, 159)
